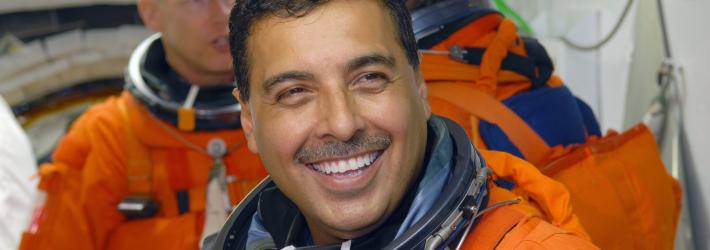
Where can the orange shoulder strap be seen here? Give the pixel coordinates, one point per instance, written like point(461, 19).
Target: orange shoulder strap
point(138, 163)
point(487, 108)
point(493, 57)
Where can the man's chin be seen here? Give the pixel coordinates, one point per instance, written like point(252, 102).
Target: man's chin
point(354, 225)
point(355, 218)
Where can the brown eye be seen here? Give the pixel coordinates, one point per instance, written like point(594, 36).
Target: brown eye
point(291, 96)
point(374, 77)
point(372, 82)
point(294, 91)
point(291, 92)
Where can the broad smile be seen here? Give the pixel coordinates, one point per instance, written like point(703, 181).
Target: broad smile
point(352, 166)
point(348, 175)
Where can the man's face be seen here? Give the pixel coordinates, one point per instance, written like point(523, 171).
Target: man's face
point(195, 33)
point(337, 114)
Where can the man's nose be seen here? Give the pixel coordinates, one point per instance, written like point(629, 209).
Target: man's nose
point(340, 117)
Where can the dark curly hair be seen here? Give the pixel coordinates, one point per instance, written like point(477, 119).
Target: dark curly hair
point(419, 4)
point(247, 12)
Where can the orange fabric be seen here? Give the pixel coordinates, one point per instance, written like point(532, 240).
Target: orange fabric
point(631, 190)
point(492, 228)
point(476, 139)
point(442, 68)
point(80, 210)
point(179, 172)
point(138, 166)
point(524, 225)
point(551, 196)
point(485, 107)
point(619, 188)
point(496, 51)
point(634, 204)
point(158, 233)
point(481, 33)
point(535, 233)
point(186, 119)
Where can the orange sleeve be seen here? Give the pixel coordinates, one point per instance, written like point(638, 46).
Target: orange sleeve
point(537, 234)
point(58, 221)
point(80, 185)
point(104, 181)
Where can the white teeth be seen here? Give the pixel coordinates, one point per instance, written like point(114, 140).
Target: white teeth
point(352, 163)
point(345, 165)
point(342, 165)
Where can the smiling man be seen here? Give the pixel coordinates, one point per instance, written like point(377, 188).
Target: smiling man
point(335, 106)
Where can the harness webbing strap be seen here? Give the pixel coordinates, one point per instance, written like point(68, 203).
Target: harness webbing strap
point(189, 198)
point(484, 106)
point(494, 55)
point(138, 163)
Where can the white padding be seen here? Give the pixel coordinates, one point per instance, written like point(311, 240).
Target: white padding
point(100, 39)
point(64, 44)
point(31, 55)
point(76, 57)
point(132, 35)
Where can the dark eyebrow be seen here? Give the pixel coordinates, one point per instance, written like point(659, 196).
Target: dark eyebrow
point(355, 64)
point(270, 83)
point(371, 59)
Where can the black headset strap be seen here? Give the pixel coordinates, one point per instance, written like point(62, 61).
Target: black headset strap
point(537, 66)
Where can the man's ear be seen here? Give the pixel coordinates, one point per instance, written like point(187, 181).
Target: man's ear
point(423, 94)
point(150, 14)
point(247, 122)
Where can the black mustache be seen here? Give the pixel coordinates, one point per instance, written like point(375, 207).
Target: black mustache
point(338, 149)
